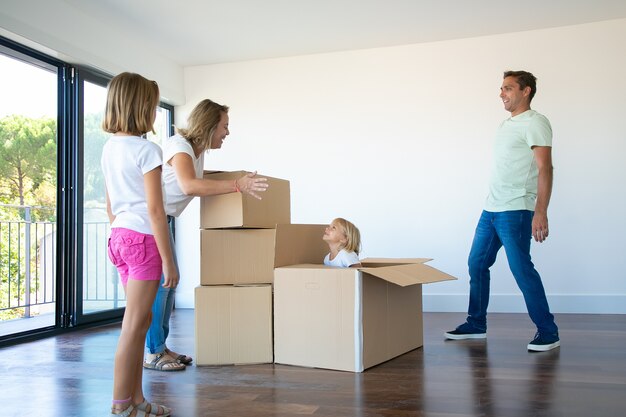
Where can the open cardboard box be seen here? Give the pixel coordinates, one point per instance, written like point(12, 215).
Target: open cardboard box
point(349, 318)
point(243, 210)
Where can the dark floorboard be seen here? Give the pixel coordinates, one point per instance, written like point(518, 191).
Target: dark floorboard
point(71, 375)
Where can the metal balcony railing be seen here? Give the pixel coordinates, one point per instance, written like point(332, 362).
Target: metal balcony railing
point(28, 264)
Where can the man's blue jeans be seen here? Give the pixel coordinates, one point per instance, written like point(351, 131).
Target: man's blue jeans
point(511, 229)
point(161, 312)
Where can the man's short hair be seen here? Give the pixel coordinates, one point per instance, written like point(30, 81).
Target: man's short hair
point(524, 79)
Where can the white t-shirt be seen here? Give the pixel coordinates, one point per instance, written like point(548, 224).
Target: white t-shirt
point(514, 175)
point(175, 199)
point(343, 259)
point(125, 160)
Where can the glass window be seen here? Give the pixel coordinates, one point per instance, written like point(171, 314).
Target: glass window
point(101, 285)
point(162, 125)
point(51, 143)
point(28, 193)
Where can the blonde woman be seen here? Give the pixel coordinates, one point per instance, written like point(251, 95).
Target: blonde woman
point(183, 167)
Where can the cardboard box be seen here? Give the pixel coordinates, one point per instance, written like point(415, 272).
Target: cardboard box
point(249, 256)
point(243, 210)
point(349, 319)
point(233, 325)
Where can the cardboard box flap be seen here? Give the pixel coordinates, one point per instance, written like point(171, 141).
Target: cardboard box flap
point(408, 274)
point(367, 262)
point(299, 244)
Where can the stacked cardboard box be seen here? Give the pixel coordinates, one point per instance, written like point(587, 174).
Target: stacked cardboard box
point(242, 240)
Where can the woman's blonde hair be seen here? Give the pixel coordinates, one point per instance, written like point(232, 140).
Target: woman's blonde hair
point(353, 236)
point(201, 124)
point(131, 104)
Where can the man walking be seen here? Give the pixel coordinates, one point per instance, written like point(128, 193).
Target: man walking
point(515, 211)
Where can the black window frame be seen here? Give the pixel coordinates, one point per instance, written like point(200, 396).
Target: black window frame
point(69, 192)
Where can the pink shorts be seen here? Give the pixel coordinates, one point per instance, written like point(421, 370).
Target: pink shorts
point(135, 255)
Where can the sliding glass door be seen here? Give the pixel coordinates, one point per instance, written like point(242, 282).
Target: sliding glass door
point(28, 192)
point(99, 292)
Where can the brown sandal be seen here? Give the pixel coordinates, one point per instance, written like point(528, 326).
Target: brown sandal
point(156, 409)
point(128, 412)
point(163, 362)
point(184, 359)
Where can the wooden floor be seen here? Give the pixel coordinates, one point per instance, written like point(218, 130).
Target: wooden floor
point(70, 375)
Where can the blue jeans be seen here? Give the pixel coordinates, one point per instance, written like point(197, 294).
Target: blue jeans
point(511, 229)
point(161, 312)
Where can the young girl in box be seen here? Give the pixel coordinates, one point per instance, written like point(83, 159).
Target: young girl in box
point(344, 241)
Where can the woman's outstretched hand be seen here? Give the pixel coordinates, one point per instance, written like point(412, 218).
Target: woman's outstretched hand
point(251, 184)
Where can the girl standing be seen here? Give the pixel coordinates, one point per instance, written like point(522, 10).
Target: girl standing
point(139, 246)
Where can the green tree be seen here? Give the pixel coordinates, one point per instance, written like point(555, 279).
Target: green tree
point(28, 149)
point(28, 159)
point(94, 139)
point(11, 271)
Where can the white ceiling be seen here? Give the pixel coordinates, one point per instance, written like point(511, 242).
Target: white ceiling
point(198, 32)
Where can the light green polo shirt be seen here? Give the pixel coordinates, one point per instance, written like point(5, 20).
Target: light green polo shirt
point(514, 174)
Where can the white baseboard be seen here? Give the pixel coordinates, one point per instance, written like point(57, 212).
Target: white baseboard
point(514, 303)
point(499, 303)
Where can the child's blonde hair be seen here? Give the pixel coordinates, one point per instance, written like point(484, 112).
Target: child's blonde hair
point(353, 236)
point(131, 104)
point(202, 122)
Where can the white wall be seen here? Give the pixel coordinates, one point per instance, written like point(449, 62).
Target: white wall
point(398, 140)
point(60, 30)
